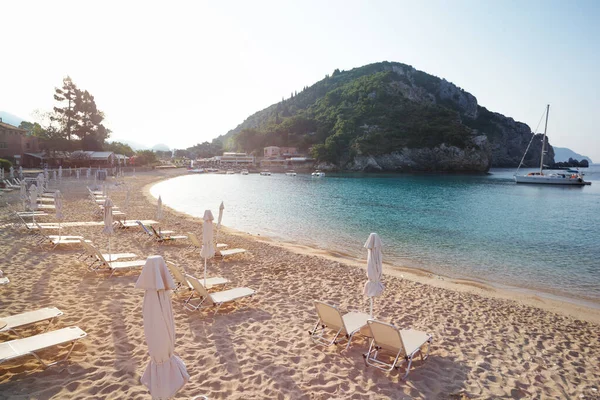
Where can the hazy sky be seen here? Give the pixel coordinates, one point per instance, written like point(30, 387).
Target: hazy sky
point(184, 72)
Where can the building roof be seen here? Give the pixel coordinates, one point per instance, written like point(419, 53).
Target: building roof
point(12, 127)
point(41, 156)
point(92, 155)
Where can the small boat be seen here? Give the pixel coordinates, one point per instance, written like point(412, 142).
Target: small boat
point(569, 177)
point(230, 172)
point(244, 172)
point(196, 171)
point(290, 173)
point(318, 174)
point(265, 173)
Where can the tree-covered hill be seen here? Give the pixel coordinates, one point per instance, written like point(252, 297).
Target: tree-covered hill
point(387, 116)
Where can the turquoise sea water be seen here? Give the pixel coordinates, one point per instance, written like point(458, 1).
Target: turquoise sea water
point(482, 227)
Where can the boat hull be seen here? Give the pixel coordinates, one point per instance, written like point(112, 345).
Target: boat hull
point(550, 180)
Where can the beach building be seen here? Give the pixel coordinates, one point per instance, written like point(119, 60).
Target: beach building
point(235, 159)
point(93, 158)
point(280, 152)
point(15, 142)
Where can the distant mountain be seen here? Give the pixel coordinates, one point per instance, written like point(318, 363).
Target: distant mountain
point(388, 116)
point(160, 147)
point(10, 118)
point(562, 154)
point(134, 145)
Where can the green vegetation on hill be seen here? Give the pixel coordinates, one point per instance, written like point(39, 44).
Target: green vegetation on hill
point(361, 111)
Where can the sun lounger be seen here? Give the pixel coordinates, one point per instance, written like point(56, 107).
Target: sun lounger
point(114, 266)
point(399, 345)
point(195, 242)
point(32, 214)
point(228, 253)
point(29, 318)
point(163, 237)
point(214, 299)
point(31, 345)
point(91, 252)
point(182, 282)
point(95, 192)
point(56, 240)
point(342, 324)
point(147, 231)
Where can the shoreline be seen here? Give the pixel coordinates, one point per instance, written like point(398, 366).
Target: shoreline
point(570, 307)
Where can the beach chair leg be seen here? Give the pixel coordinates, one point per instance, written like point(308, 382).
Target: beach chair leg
point(349, 341)
point(56, 362)
point(410, 360)
point(49, 324)
point(426, 355)
point(314, 330)
point(218, 306)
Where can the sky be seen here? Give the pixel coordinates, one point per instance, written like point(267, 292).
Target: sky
point(181, 73)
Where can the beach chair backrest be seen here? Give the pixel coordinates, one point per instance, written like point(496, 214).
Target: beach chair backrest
point(95, 251)
point(176, 272)
point(86, 248)
point(144, 228)
point(194, 239)
point(329, 315)
point(386, 336)
point(199, 287)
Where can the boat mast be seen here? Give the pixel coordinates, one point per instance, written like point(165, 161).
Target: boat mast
point(544, 140)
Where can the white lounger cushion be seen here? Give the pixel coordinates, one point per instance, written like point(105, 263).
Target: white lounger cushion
point(57, 241)
point(30, 317)
point(214, 281)
point(21, 347)
point(116, 256)
point(126, 264)
point(225, 253)
point(413, 339)
point(355, 320)
point(231, 295)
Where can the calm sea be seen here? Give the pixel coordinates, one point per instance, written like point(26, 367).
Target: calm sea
point(482, 227)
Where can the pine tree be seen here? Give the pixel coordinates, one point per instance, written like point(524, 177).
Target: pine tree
point(66, 116)
point(89, 128)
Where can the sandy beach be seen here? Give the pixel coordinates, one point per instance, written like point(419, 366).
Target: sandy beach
point(488, 343)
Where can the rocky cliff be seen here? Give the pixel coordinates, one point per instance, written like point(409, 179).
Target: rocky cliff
point(389, 117)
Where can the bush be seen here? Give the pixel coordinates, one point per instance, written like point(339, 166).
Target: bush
point(5, 164)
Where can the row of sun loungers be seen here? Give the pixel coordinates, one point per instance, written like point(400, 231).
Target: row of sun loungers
point(386, 340)
point(32, 345)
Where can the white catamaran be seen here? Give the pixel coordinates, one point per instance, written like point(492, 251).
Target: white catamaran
point(569, 177)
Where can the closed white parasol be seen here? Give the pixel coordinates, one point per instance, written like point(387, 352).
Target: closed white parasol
point(373, 287)
point(165, 374)
point(58, 208)
point(108, 222)
point(208, 247)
